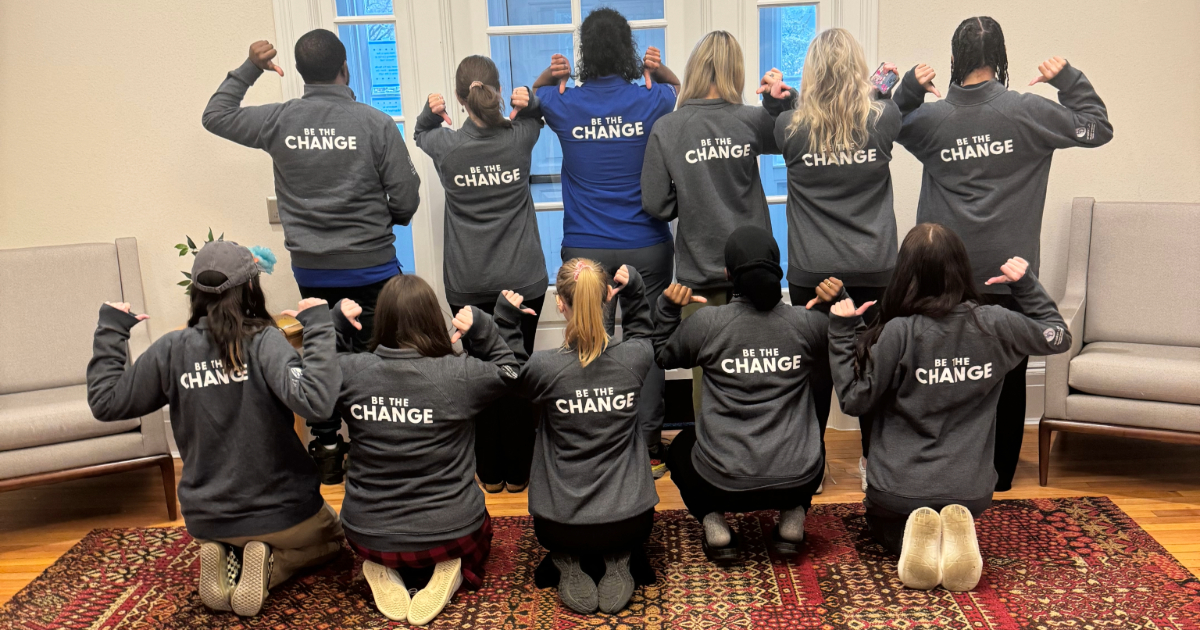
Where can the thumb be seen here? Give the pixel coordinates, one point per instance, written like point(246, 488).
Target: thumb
point(513, 114)
point(863, 309)
point(456, 336)
point(529, 311)
point(1038, 79)
point(812, 303)
point(446, 117)
point(277, 69)
point(562, 85)
point(357, 324)
point(997, 279)
point(289, 313)
point(143, 317)
point(649, 83)
point(700, 299)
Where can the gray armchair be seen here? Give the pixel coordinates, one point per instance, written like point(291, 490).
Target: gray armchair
point(49, 298)
point(1133, 307)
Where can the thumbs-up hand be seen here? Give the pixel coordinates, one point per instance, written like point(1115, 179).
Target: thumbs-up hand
point(519, 101)
point(1049, 69)
point(261, 54)
point(437, 104)
point(650, 62)
point(560, 68)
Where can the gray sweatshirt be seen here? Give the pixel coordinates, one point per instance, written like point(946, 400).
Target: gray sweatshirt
point(987, 151)
point(245, 472)
point(590, 463)
point(343, 176)
point(411, 482)
point(757, 427)
point(701, 166)
point(933, 385)
point(839, 207)
point(492, 240)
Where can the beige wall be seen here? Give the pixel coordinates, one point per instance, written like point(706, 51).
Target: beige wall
point(1138, 55)
point(100, 133)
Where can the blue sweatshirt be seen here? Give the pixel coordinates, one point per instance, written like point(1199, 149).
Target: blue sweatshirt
point(603, 126)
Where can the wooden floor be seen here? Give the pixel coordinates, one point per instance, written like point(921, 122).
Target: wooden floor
point(1157, 484)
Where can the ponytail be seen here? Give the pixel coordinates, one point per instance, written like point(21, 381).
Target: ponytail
point(583, 285)
point(477, 83)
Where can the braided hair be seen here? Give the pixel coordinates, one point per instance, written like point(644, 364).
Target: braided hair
point(978, 43)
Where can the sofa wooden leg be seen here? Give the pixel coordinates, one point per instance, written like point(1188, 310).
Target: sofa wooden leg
point(167, 466)
point(1044, 435)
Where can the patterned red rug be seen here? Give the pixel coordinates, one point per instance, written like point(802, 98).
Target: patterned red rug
point(1061, 563)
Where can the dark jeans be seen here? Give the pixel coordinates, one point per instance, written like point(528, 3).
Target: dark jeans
point(505, 430)
point(591, 543)
point(1010, 409)
point(702, 498)
point(887, 523)
point(821, 381)
point(656, 264)
point(365, 296)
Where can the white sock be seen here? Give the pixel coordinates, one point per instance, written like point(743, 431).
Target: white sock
point(716, 530)
point(791, 524)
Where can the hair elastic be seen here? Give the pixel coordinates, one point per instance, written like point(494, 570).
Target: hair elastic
point(579, 266)
point(476, 83)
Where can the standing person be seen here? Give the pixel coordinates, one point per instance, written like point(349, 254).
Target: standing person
point(492, 240)
point(603, 126)
point(591, 492)
point(932, 366)
point(986, 152)
point(756, 444)
point(343, 176)
point(701, 167)
point(412, 510)
point(837, 143)
point(250, 494)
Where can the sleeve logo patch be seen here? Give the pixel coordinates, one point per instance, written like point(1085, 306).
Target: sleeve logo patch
point(296, 373)
point(509, 372)
point(1054, 335)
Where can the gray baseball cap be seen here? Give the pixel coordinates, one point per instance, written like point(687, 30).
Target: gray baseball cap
point(235, 262)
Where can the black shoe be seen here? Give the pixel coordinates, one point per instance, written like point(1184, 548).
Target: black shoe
point(331, 462)
point(783, 546)
point(729, 553)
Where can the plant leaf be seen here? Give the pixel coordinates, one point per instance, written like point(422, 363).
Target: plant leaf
point(184, 283)
point(210, 236)
point(190, 243)
point(184, 251)
point(221, 237)
point(188, 275)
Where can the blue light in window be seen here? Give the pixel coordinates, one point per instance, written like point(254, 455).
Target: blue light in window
point(784, 34)
point(371, 57)
point(779, 231)
point(631, 9)
point(647, 37)
point(551, 230)
point(346, 8)
point(527, 12)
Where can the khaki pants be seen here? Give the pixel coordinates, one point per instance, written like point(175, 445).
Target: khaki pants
point(716, 297)
point(310, 543)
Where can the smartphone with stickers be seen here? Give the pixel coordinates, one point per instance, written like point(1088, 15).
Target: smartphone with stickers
point(884, 81)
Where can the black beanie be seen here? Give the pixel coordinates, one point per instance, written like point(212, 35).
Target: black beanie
point(752, 259)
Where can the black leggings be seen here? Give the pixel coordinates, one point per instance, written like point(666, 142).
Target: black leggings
point(703, 498)
point(505, 431)
point(821, 382)
point(591, 543)
point(887, 523)
point(366, 296)
point(1010, 409)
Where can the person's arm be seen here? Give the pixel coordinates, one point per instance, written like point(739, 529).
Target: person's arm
point(636, 322)
point(909, 94)
point(1081, 120)
point(658, 189)
point(116, 390)
point(655, 71)
point(224, 116)
point(859, 390)
point(345, 324)
point(527, 117)
point(429, 134)
point(307, 384)
point(558, 72)
point(777, 96)
point(1041, 329)
point(398, 175)
point(676, 346)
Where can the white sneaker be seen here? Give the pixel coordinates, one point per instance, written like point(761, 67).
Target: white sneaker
point(391, 595)
point(920, 564)
point(429, 602)
point(251, 590)
point(219, 572)
point(862, 472)
point(962, 564)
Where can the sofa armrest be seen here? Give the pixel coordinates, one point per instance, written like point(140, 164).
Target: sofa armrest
point(1058, 365)
point(154, 433)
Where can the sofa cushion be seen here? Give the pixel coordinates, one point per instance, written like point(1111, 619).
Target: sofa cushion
point(1139, 371)
point(61, 288)
point(1124, 412)
point(77, 454)
point(1140, 249)
point(52, 416)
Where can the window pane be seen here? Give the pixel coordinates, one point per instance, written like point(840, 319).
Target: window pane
point(400, 126)
point(404, 248)
point(346, 8)
point(371, 56)
point(631, 9)
point(525, 12)
point(783, 37)
point(779, 231)
point(550, 227)
point(520, 59)
point(647, 37)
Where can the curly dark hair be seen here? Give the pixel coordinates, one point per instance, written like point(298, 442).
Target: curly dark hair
point(978, 42)
point(606, 47)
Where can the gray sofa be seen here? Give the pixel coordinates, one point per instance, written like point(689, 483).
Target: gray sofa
point(49, 298)
point(1132, 304)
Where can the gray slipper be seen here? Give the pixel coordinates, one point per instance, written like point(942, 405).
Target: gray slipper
point(575, 588)
point(616, 587)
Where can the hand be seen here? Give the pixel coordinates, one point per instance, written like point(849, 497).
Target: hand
point(621, 278)
point(352, 310)
point(462, 323)
point(1049, 69)
point(261, 54)
point(890, 67)
point(304, 305)
point(772, 82)
point(1013, 270)
point(437, 104)
point(560, 68)
point(519, 101)
point(124, 308)
point(925, 76)
point(681, 296)
point(826, 292)
point(650, 62)
point(845, 308)
point(517, 300)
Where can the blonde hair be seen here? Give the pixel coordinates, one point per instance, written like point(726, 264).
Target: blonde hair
point(583, 285)
point(835, 94)
point(716, 60)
